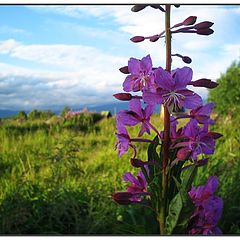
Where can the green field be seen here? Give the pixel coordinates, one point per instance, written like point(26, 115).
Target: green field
point(57, 177)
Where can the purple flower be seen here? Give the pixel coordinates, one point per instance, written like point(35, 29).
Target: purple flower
point(123, 140)
point(199, 141)
point(137, 115)
point(172, 91)
point(202, 113)
point(141, 75)
point(138, 184)
point(135, 191)
point(208, 209)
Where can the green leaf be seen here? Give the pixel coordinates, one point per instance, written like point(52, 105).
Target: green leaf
point(181, 207)
point(153, 155)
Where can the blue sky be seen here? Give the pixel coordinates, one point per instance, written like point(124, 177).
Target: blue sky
point(60, 55)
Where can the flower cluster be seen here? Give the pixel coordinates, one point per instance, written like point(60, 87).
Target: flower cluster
point(208, 209)
point(175, 153)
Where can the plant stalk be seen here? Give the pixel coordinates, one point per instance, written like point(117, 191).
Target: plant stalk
point(166, 135)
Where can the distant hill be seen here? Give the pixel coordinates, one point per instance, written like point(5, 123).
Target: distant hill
point(113, 107)
point(7, 113)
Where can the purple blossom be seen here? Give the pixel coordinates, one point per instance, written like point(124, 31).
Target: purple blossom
point(141, 75)
point(202, 113)
point(136, 115)
point(172, 91)
point(138, 184)
point(135, 191)
point(199, 141)
point(208, 209)
point(123, 140)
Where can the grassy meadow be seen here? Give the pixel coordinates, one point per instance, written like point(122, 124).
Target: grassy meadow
point(57, 177)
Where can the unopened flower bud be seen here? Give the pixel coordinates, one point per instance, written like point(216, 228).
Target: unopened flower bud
point(157, 6)
point(186, 59)
point(124, 70)
point(154, 38)
point(139, 7)
point(204, 24)
point(202, 162)
point(137, 162)
point(214, 135)
point(183, 153)
point(205, 31)
point(137, 39)
point(122, 197)
point(189, 21)
point(123, 96)
point(204, 83)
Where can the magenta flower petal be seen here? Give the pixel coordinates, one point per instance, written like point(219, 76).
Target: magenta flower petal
point(134, 66)
point(182, 77)
point(192, 100)
point(152, 97)
point(146, 63)
point(128, 177)
point(127, 119)
point(164, 79)
point(135, 106)
point(128, 84)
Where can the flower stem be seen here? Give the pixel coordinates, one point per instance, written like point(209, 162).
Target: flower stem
point(166, 135)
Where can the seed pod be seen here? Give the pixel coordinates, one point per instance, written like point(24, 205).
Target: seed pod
point(137, 39)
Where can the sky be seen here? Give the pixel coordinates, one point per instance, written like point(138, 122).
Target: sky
point(57, 55)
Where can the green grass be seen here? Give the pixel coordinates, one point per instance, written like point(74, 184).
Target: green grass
point(57, 178)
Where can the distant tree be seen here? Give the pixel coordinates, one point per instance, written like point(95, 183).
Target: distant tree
point(65, 110)
point(22, 116)
point(227, 95)
point(46, 114)
point(35, 114)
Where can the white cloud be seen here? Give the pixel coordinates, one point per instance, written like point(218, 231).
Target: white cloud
point(84, 74)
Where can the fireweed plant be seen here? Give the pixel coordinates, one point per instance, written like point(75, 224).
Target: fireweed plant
point(164, 182)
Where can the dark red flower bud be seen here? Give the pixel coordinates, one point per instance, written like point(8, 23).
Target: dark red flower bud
point(137, 162)
point(204, 24)
point(122, 197)
point(204, 83)
point(123, 96)
point(137, 39)
point(124, 70)
point(139, 7)
point(202, 162)
point(214, 135)
point(189, 21)
point(186, 59)
point(205, 31)
point(154, 38)
point(183, 153)
point(157, 6)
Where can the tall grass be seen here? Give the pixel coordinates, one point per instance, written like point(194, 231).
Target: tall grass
point(56, 179)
